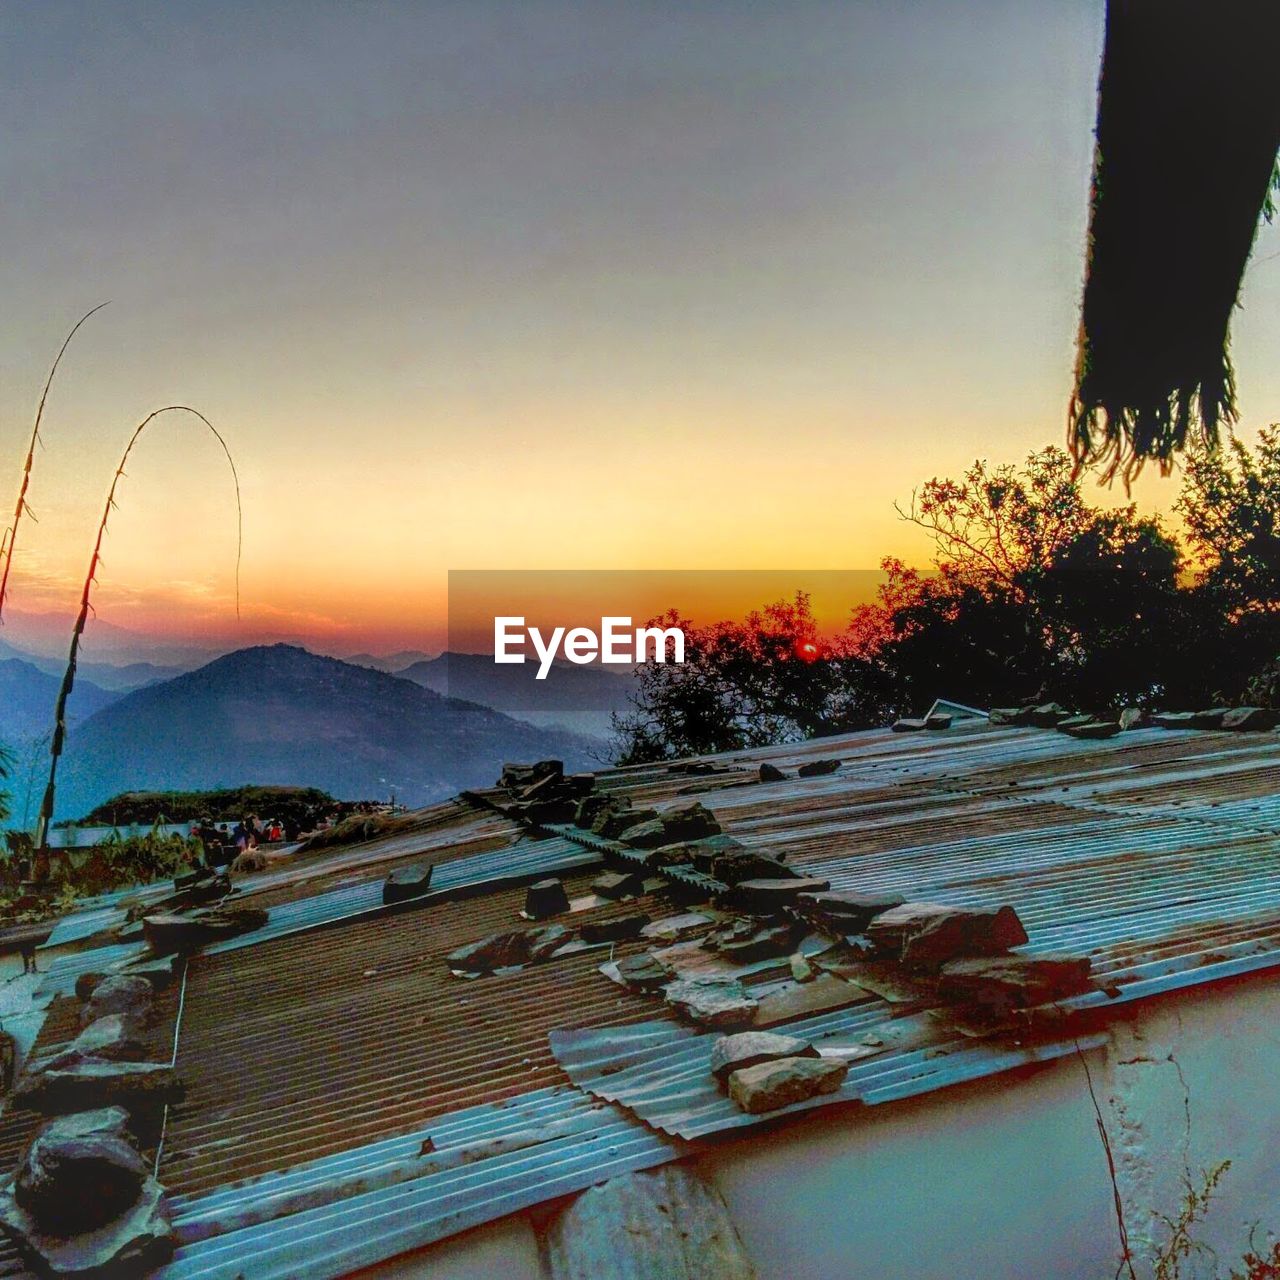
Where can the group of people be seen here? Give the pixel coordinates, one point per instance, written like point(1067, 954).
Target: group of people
point(219, 838)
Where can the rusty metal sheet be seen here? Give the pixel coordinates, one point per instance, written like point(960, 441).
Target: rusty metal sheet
point(662, 1071)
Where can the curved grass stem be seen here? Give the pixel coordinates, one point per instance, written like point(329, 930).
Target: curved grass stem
point(10, 536)
point(82, 618)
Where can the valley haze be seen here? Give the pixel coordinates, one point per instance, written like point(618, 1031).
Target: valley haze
point(275, 714)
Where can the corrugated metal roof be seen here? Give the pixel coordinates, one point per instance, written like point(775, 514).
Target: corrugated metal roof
point(1093, 843)
point(1156, 852)
point(442, 833)
point(317, 1042)
point(511, 864)
point(548, 1143)
point(17, 1127)
point(662, 1071)
point(60, 977)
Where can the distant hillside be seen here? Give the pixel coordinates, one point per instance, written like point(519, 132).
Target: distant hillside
point(105, 675)
point(579, 699)
point(132, 675)
point(394, 663)
point(297, 804)
point(28, 697)
point(514, 687)
point(278, 715)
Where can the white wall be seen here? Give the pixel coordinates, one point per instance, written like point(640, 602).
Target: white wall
point(1001, 1179)
point(1008, 1178)
point(502, 1250)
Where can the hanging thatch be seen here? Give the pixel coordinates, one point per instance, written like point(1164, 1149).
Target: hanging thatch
point(1188, 128)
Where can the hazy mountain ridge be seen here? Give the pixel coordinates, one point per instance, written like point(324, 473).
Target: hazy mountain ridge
point(28, 697)
point(114, 677)
point(281, 715)
point(579, 699)
point(514, 687)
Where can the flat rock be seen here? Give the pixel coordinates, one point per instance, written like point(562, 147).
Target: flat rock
point(700, 854)
point(75, 1182)
point(644, 835)
point(107, 1120)
point(668, 855)
point(1072, 722)
point(677, 928)
point(1009, 715)
point(843, 911)
point(125, 994)
point(749, 1048)
point(91, 1085)
point(130, 1245)
point(544, 899)
point(1096, 729)
point(619, 929)
point(643, 973)
point(113, 1038)
point(712, 1003)
point(1210, 718)
point(170, 933)
point(615, 885)
point(1174, 719)
point(1046, 715)
point(406, 883)
point(914, 724)
point(497, 951)
point(542, 787)
point(593, 806)
point(769, 896)
point(785, 1081)
point(802, 998)
point(770, 773)
point(908, 724)
point(520, 776)
point(611, 823)
point(925, 935)
point(198, 887)
point(735, 866)
point(1250, 719)
point(1001, 984)
point(543, 811)
point(691, 822)
point(543, 943)
point(818, 768)
point(748, 941)
point(508, 950)
point(659, 1224)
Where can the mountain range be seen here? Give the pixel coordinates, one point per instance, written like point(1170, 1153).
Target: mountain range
point(106, 675)
point(580, 698)
point(29, 695)
point(279, 714)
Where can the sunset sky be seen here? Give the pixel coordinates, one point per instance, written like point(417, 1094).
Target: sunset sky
point(532, 285)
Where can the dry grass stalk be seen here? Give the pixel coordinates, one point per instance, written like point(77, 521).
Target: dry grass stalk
point(10, 536)
point(69, 676)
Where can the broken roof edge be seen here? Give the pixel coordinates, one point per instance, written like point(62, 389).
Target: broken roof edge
point(367, 1205)
point(945, 706)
